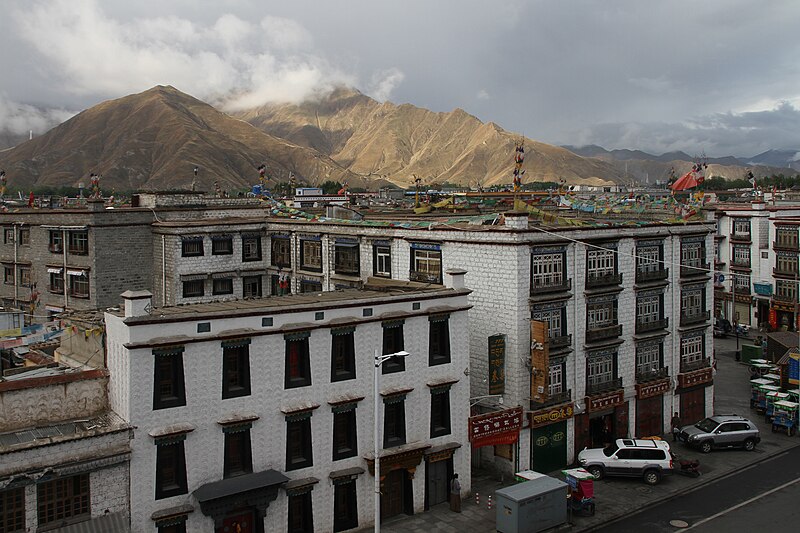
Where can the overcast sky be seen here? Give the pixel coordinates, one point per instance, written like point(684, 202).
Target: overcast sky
point(718, 76)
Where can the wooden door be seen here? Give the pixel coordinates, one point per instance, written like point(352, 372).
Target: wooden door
point(693, 406)
point(438, 482)
point(650, 416)
point(241, 522)
point(393, 494)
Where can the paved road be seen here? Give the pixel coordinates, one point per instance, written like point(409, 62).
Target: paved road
point(766, 496)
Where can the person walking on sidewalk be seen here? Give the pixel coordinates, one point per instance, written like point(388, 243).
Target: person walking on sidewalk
point(455, 494)
point(676, 426)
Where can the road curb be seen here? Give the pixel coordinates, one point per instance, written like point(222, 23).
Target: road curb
point(682, 492)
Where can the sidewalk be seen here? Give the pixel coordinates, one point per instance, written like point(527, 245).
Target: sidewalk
point(619, 497)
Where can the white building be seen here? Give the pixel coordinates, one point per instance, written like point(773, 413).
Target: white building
point(260, 411)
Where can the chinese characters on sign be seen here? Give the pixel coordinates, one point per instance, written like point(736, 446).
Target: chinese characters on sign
point(495, 428)
point(497, 364)
point(547, 416)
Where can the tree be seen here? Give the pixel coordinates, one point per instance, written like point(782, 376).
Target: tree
point(331, 187)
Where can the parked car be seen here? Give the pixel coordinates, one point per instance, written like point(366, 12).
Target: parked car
point(722, 327)
point(648, 459)
point(721, 431)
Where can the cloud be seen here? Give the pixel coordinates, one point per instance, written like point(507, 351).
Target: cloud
point(93, 53)
point(483, 94)
point(384, 82)
point(19, 119)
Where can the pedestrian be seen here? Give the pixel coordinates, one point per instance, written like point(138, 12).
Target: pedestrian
point(676, 426)
point(455, 494)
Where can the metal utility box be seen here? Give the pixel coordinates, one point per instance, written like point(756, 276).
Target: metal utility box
point(531, 506)
point(751, 351)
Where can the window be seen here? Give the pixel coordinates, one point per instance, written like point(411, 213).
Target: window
point(310, 285)
point(426, 263)
point(298, 367)
point(741, 227)
point(601, 313)
point(346, 258)
point(648, 358)
point(741, 282)
point(343, 354)
point(547, 270)
point(235, 368)
point(79, 242)
point(281, 251)
point(180, 527)
point(382, 255)
point(786, 290)
point(692, 349)
point(394, 420)
point(238, 454)
point(440, 411)
point(786, 262)
point(56, 280)
point(222, 286)
point(192, 246)
point(438, 340)
point(693, 254)
point(311, 255)
point(251, 287)
point(555, 378)
point(648, 308)
point(301, 516)
point(599, 370)
point(24, 236)
point(168, 390)
point(25, 276)
point(12, 510)
point(344, 432)
point(648, 259)
point(193, 288)
point(393, 343)
point(221, 245)
point(345, 505)
point(170, 467)
point(298, 441)
point(251, 247)
point(786, 236)
point(78, 283)
point(8, 275)
point(692, 302)
point(601, 262)
point(63, 499)
point(8, 235)
point(56, 241)
point(555, 318)
point(741, 256)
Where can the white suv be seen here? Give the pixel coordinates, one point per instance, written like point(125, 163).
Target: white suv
point(649, 459)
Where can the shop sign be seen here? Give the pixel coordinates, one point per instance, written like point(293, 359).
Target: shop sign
point(497, 364)
point(653, 388)
point(764, 289)
point(598, 403)
point(697, 377)
point(555, 414)
point(501, 427)
point(794, 369)
point(773, 318)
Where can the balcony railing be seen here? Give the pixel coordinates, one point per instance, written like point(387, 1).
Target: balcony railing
point(791, 298)
point(740, 263)
point(560, 341)
point(424, 277)
point(602, 280)
point(651, 275)
point(700, 269)
point(643, 327)
point(693, 317)
point(740, 237)
point(606, 332)
point(554, 399)
point(695, 365)
point(790, 272)
point(553, 286)
point(786, 245)
point(652, 375)
point(597, 388)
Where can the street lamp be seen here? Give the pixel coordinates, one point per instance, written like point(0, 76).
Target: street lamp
point(379, 360)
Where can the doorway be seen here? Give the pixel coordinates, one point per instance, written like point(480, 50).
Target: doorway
point(238, 522)
point(437, 481)
point(693, 406)
point(650, 416)
point(601, 429)
point(549, 447)
point(397, 494)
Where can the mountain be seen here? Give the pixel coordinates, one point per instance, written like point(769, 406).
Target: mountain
point(786, 158)
point(154, 140)
point(399, 142)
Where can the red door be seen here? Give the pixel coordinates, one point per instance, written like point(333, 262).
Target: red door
point(650, 416)
point(238, 523)
point(693, 406)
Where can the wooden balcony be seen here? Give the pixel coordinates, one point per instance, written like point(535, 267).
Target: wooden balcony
point(607, 386)
point(602, 280)
point(700, 269)
point(553, 399)
point(644, 327)
point(555, 286)
point(607, 332)
point(652, 375)
point(695, 318)
point(655, 275)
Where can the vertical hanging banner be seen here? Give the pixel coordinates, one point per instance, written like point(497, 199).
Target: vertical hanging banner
point(497, 364)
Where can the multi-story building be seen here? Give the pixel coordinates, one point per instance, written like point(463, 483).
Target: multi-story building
point(261, 411)
point(64, 456)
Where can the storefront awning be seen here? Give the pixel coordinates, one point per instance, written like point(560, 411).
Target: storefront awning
point(55, 270)
point(221, 497)
point(223, 275)
point(76, 272)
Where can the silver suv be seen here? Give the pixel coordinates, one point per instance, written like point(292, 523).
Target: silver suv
point(648, 459)
point(721, 431)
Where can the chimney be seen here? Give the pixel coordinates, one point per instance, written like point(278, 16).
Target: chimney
point(454, 278)
point(516, 220)
point(137, 303)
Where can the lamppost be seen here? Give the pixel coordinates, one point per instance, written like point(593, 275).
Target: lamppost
point(379, 360)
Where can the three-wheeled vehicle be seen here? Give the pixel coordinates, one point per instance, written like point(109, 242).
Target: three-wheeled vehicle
point(581, 491)
point(763, 390)
point(755, 385)
point(784, 417)
point(759, 367)
point(774, 378)
point(772, 397)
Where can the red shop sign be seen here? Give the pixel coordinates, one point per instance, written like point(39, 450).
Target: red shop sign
point(501, 427)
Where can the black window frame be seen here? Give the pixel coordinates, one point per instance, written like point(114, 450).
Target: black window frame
point(303, 379)
point(190, 284)
point(78, 242)
point(55, 242)
point(343, 251)
point(250, 253)
point(12, 510)
point(170, 457)
point(376, 248)
point(345, 433)
point(394, 421)
point(280, 250)
point(236, 369)
point(300, 513)
point(302, 245)
point(343, 354)
point(8, 235)
point(192, 247)
point(222, 245)
point(417, 274)
point(439, 340)
point(8, 275)
point(56, 282)
point(79, 286)
point(221, 286)
point(24, 236)
point(345, 505)
point(238, 451)
point(252, 281)
point(170, 361)
point(441, 423)
point(63, 500)
point(310, 285)
point(299, 452)
point(393, 342)
point(171, 527)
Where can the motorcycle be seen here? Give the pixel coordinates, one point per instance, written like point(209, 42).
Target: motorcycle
point(687, 467)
